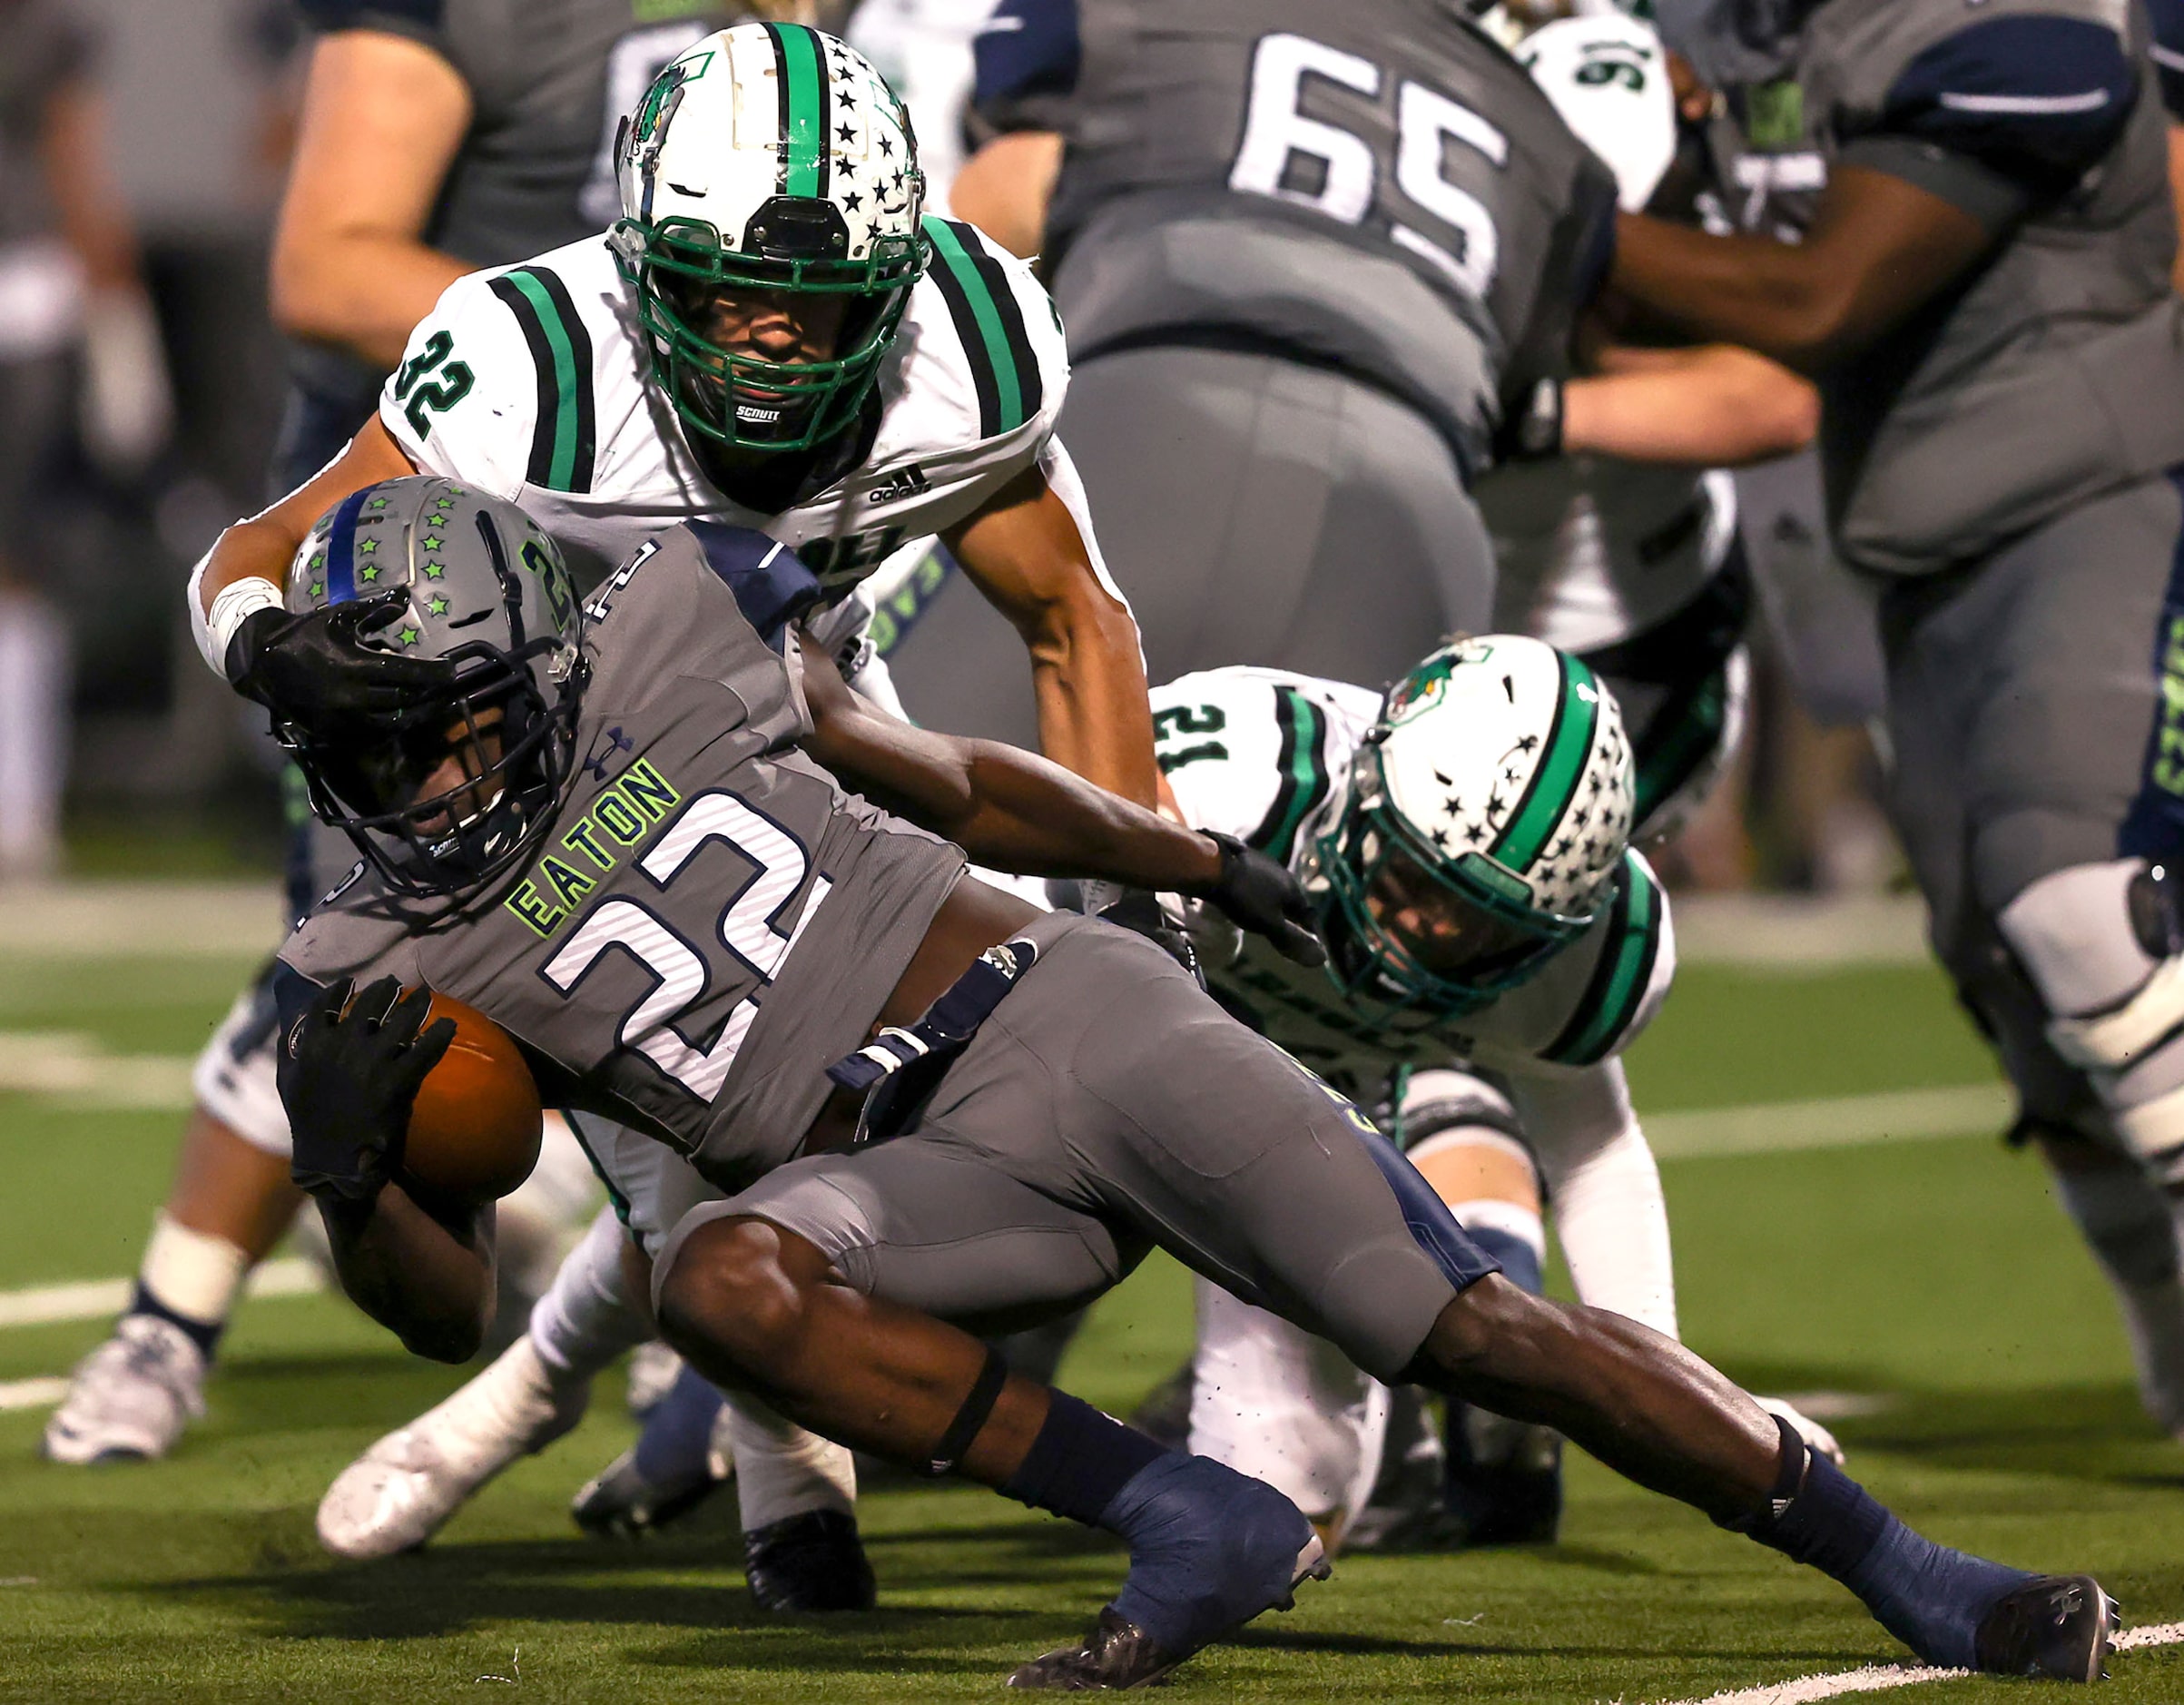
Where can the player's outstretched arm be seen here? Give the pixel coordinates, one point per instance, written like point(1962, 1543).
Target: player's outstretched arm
point(1017, 812)
point(1711, 406)
point(236, 608)
point(1029, 551)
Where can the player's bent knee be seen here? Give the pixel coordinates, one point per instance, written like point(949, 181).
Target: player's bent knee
point(731, 1296)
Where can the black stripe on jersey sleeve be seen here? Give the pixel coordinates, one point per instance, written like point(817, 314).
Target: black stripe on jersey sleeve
point(563, 435)
point(1011, 314)
point(973, 339)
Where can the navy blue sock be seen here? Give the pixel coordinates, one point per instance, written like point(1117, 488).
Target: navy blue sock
point(1079, 1461)
point(678, 1433)
point(1519, 1261)
point(205, 1338)
point(1928, 1596)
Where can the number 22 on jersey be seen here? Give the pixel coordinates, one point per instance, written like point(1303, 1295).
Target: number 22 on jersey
point(754, 927)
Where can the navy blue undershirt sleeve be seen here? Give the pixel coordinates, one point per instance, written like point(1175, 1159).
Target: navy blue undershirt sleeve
point(1027, 58)
point(2003, 114)
point(771, 585)
point(420, 20)
point(2168, 53)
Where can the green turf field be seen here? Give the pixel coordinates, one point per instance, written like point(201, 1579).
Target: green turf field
point(1933, 1277)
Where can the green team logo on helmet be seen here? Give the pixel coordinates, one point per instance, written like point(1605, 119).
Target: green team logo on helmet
point(1489, 811)
point(770, 160)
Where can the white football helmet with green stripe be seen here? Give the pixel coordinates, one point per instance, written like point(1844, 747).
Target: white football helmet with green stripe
point(1489, 808)
point(769, 157)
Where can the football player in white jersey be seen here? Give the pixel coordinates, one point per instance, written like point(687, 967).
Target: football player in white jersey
point(1494, 944)
point(773, 336)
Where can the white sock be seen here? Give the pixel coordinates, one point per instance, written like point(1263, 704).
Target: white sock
point(34, 722)
point(193, 1273)
point(781, 1470)
point(586, 1318)
point(2130, 1225)
point(1511, 1220)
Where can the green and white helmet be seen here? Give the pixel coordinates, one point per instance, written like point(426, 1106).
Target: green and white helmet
point(769, 157)
point(1489, 808)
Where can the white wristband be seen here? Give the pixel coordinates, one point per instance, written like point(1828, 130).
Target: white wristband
point(229, 609)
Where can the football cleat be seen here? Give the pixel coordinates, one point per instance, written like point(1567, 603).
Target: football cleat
point(811, 1561)
point(1210, 1549)
point(129, 1399)
point(1504, 1483)
point(679, 1461)
point(2057, 1627)
point(401, 1491)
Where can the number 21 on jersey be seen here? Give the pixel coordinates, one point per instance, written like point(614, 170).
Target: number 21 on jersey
point(1462, 241)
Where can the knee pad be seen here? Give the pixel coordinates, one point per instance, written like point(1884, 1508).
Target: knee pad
point(1443, 1103)
point(233, 1077)
point(2104, 946)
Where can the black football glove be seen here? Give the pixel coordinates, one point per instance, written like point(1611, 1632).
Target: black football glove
point(1139, 909)
point(313, 669)
point(1255, 894)
point(348, 1080)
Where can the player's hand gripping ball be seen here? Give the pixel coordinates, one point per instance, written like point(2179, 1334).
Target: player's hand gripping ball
point(406, 1083)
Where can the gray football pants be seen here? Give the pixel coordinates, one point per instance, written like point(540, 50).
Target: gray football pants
point(2022, 697)
point(1107, 1105)
point(1254, 511)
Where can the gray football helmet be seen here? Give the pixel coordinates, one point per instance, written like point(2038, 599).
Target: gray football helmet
point(448, 792)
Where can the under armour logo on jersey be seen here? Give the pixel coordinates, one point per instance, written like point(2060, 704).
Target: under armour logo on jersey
point(908, 482)
point(595, 762)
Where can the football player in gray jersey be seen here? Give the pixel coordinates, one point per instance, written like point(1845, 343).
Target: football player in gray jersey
point(600, 831)
point(435, 136)
point(1983, 290)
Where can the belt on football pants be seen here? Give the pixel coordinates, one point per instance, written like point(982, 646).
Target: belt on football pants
point(900, 1067)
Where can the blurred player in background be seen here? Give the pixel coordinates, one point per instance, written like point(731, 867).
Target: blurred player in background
point(68, 284)
point(435, 136)
point(1312, 264)
point(1982, 288)
point(1289, 312)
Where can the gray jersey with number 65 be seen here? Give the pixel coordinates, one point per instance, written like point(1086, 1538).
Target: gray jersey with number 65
point(1374, 186)
point(710, 921)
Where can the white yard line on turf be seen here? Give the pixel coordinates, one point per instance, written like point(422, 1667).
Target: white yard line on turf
point(95, 1299)
point(1891, 1115)
point(74, 1067)
point(1881, 1678)
point(127, 919)
point(30, 1394)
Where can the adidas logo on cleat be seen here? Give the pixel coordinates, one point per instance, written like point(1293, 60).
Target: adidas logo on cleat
point(908, 482)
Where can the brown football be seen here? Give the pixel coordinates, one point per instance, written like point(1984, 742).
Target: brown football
point(473, 1132)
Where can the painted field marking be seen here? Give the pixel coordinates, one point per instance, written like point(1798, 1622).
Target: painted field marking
point(1881, 1678)
point(30, 1394)
point(73, 1067)
point(1838, 1121)
point(95, 1299)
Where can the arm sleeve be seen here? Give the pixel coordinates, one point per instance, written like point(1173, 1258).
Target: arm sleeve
point(1604, 1191)
point(2002, 114)
point(2168, 52)
point(422, 21)
point(1028, 57)
point(463, 401)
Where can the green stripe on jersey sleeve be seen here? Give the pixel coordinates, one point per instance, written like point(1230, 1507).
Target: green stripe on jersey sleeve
point(563, 433)
point(1304, 781)
point(1615, 992)
point(1004, 366)
point(1554, 779)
